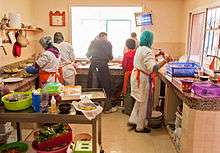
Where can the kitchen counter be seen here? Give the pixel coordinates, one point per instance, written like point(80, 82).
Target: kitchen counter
point(115, 69)
point(199, 129)
point(191, 100)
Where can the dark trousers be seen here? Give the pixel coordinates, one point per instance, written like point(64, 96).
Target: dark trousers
point(99, 77)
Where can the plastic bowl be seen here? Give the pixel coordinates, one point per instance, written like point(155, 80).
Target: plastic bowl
point(23, 147)
point(186, 85)
point(61, 150)
point(64, 108)
point(204, 78)
point(82, 137)
point(17, 105)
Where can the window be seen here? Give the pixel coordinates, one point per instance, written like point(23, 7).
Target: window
point(196, 37)
point(87, 22)
point(204, 36)
point(212, 33)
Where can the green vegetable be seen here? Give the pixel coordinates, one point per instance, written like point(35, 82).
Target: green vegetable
point(48, 132)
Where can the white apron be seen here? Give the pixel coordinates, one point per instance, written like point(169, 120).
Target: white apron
point(144, 62)
point(69, 73)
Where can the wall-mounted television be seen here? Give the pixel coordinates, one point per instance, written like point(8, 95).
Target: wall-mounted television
point(143, 18)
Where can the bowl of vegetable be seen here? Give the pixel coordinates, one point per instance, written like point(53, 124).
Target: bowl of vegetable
point(54, 139)
point(17, 101)
point(15, 147)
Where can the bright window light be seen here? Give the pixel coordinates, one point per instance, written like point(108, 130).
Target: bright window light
point(87, 22)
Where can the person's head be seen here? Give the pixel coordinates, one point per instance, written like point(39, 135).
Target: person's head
point(130, 43)
point(58, 37)
point(46, 42)
point(103, 35)
point(134, 35)
point(146, 39)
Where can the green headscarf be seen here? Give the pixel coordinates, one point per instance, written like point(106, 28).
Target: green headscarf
point(146, 39)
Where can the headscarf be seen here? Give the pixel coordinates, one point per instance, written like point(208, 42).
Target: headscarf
point(146, 39)
point(58, 37)
point(45, 42)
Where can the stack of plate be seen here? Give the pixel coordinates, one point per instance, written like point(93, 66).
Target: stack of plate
point(14, 20)
point(156, 119)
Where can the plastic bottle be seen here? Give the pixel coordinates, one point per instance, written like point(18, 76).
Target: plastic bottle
point(44, 102)
point(36, 101)
point(53, 105)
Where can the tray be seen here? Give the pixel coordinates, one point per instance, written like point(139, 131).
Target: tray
point(181, 69)
point(206, 89)
point(12, 80)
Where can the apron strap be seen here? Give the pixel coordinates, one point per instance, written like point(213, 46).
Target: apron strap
point(138, 72)
point(126, 80)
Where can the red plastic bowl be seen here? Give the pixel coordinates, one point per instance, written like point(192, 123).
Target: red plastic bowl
point(55, 141)
point(61, 150)
point(186, 85)
point(65, 138)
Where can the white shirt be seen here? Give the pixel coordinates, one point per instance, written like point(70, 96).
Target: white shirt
point(67, 53)
point(144, 59)
point(48, 62)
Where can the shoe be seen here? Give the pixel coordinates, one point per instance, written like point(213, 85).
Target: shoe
point(131, 124)
point(145, 130)
point(112, 110)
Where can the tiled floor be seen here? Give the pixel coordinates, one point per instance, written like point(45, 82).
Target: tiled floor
point(117, 139)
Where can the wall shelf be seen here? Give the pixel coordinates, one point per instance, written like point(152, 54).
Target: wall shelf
point(35, 30)
point(25, 29)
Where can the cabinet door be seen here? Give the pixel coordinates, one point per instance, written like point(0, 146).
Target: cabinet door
point(196, 36)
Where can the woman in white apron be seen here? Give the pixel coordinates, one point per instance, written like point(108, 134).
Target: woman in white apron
point(141, 84)
point(67, 59)
point(48, 62)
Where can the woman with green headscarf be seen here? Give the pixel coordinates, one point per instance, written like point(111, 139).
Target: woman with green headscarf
point(141, 84)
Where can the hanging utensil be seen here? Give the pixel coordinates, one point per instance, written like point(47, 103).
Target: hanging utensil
point(1, 45)
point(4, 50)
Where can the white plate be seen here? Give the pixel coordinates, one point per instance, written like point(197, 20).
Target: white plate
point(11, 80)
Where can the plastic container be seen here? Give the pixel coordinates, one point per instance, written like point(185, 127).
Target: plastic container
point(65, 138)
point(18, 105)
point(182, 69)
point(23, 147)
point(61, 150)
point(156, 119)
point(206, 89)
point(53, 88)
point(186, 85)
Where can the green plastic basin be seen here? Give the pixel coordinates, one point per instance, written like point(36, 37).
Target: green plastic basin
point(18, 105)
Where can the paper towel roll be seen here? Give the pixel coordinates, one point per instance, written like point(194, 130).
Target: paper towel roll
point(14, 20)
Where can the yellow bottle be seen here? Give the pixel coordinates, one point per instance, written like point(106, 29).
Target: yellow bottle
point(53, 105)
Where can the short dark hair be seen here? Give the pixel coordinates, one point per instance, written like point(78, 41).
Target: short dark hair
point(130, 43)
point(101, 34)
point(133, 34)
point(58, 37)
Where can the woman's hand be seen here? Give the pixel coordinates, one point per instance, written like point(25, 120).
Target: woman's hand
point(168, 58)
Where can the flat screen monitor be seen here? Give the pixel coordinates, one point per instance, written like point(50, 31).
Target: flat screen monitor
point(143, 18)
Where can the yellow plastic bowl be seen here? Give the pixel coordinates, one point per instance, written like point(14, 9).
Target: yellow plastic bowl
point(18, 105)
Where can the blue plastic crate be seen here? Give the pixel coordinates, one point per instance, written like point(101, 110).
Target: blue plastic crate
point(182, 69)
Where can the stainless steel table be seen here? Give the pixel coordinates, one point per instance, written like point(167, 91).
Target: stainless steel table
point(29, 116)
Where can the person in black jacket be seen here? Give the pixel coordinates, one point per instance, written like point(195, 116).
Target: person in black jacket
point(100, 53)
